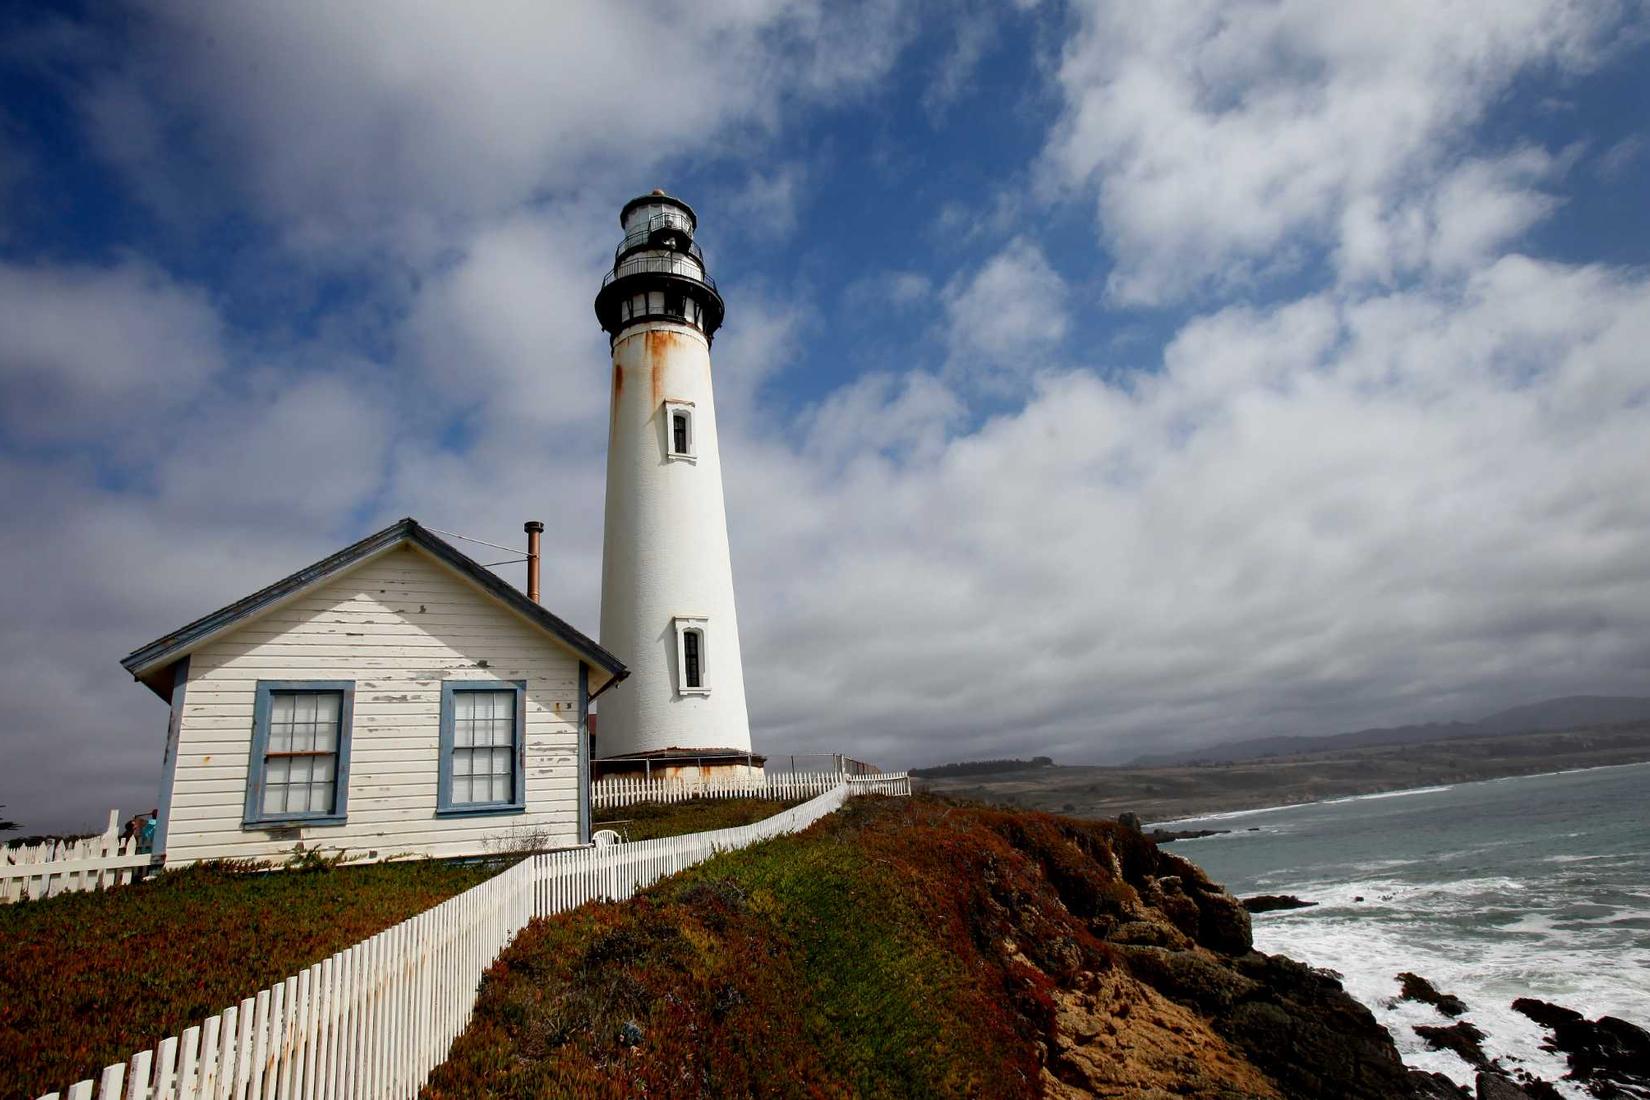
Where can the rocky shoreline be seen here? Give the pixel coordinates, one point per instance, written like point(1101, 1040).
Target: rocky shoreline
point(1608, 1057)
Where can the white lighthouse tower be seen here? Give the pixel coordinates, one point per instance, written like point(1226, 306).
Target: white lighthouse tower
point(667, 581)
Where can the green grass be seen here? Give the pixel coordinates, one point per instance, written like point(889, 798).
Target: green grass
point(900, 947)
point(648, 820)
point(87, 979)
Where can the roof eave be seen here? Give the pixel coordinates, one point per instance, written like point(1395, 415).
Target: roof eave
point(145, 661)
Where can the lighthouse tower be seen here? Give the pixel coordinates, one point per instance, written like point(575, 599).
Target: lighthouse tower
point(667, 582)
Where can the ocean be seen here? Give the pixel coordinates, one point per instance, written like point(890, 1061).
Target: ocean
point(1537, 886)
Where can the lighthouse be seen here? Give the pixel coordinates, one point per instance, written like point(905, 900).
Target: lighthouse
point(667, 579)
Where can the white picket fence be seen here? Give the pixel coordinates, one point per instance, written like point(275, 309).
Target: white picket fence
point(616, 791)
point(375, 1019)
point(889, 783)
point(60, 866)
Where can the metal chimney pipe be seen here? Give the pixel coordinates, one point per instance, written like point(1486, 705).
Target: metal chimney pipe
point(534, 529)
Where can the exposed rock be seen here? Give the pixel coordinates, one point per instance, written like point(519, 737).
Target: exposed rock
point(1435, 1086)
point(1460, 1038)
point(1191, 977)
point(1144, 933)
point(1118, 1037)
point(1129, 820)
point(1493, 1086)
point(1417, 988)
point(1267, 903)
point(1537, 1089)
point(1168, 836)
point(1547, 1014)
point(1310, 1036)
point(1223, 923)
point(1608, 1055)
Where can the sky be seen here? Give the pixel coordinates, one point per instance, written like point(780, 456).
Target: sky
point(1097, 378)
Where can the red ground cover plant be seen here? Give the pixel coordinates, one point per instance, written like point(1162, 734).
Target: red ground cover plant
point(901, 947)
point(88, 979)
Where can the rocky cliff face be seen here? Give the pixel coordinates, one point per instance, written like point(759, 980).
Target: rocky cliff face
point(1192, 1005)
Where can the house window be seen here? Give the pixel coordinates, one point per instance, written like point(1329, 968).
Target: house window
point(679, 441)
point(482, 747)
point(300, 752)
point(692, 657)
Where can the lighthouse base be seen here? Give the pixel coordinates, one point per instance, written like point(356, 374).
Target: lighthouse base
point(695, 765)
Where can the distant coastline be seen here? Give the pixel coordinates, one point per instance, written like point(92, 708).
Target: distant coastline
point(1172, 793)
point(1196, 818)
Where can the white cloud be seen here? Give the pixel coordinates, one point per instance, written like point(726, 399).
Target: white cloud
point(1225, 141)
point(391, 120)
point(506, 326)
point(766, 208)
point(86, 347)
point(1009, 312)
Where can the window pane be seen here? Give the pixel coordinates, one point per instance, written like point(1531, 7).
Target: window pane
point(484, 742)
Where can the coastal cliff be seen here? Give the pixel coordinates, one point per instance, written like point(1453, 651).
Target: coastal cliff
point(918, 947)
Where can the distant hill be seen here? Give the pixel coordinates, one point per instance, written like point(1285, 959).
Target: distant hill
point(981, 767)
point(1569, 712)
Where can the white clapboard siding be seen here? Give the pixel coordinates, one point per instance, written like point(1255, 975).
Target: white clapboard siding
point(397, 626)
point(373, 1020)
point(60, 866)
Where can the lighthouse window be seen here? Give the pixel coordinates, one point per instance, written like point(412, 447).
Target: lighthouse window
point(679, 431)
point(692, 657)
point(674, 306)
point(690, 669)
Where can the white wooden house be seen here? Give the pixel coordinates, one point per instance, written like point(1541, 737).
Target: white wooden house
point(395, 698)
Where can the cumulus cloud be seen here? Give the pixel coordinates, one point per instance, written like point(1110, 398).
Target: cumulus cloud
point(1008, 312)
point(395, 119)
point(87, 346)
point(1227, 142)
point(1323, 514)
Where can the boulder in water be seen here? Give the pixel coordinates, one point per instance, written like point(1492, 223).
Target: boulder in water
point(1266, 903)
point(1460, 1038)
point(1608, 1055)
point(1417, 988)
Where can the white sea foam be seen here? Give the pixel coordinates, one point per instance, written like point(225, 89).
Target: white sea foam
point(1386, 794)
point(1370, 954)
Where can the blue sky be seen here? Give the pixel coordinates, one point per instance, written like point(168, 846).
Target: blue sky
point(1096, 377)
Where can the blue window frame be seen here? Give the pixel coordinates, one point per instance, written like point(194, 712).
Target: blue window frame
point(300, 752)
point(483, 747)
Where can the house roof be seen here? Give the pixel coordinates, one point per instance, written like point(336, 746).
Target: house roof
point(145, 662)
